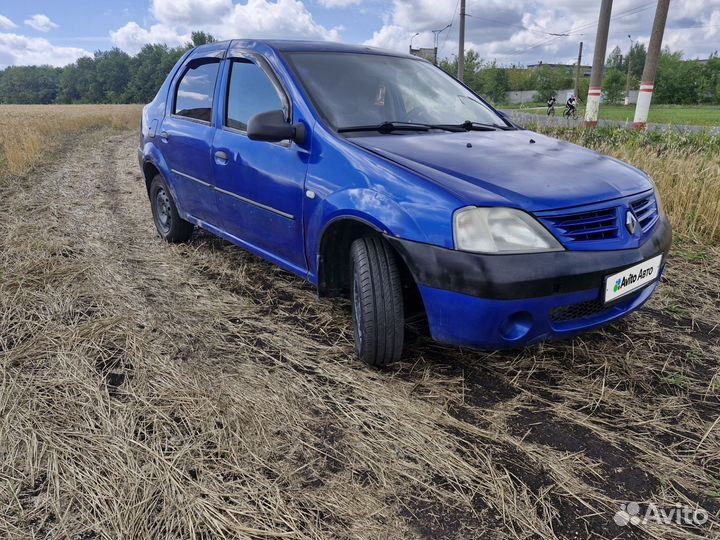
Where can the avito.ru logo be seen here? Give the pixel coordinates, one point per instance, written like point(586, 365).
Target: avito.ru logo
point(632, 513)
point(632, 278)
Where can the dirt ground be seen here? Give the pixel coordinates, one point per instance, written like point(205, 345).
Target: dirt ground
point(157, 391)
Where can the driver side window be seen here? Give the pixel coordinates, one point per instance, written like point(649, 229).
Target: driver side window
point(250, 92)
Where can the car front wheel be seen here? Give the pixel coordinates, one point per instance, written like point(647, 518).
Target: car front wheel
point(168, 222)
point(377, 302)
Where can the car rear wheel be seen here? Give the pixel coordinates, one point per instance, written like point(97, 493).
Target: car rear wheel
point(169, 224)
point(377, 302)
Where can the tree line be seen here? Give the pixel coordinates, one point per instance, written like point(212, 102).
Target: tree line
point(116, 77)
point(108, 77)
point(678, 81)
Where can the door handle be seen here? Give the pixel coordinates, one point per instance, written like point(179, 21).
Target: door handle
point(222, 156)
point(164, 135)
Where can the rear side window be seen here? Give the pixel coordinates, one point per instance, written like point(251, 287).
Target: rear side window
point(250, 92)
point(194, 97)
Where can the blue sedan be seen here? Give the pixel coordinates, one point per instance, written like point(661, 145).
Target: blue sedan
point(375, 175)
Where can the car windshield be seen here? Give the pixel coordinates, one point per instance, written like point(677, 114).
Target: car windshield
point(357, 89)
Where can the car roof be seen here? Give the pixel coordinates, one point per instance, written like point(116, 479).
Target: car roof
point(289, 45)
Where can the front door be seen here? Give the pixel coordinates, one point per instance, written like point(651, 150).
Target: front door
point(186, 137)
point(260, 185)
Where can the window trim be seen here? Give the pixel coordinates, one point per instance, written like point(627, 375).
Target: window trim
point(193, 63)
point(248, 57)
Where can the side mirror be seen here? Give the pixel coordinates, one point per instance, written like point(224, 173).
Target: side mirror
point(271, 126)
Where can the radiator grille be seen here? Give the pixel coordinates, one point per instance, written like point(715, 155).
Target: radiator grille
point(582, 310)
point(587, 309)
point(646, 212)
point(585, 226)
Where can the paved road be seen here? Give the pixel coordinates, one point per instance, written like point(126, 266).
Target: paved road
point(522, 117)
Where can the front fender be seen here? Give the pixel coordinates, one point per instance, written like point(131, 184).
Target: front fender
point(361, 204)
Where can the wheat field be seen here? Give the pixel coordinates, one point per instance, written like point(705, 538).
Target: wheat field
point(29, 132)
point(685, 168)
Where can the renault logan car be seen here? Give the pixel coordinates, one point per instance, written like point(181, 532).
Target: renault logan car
point(376, 175)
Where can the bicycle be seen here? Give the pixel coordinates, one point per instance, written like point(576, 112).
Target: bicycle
point(570, 113)
point(551, 110)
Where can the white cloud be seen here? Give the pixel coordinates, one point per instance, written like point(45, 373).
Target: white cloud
point(713, 27)
point(395, 37)
point(517, 31)
point(132, 36)
point(252, 19)
point(338, 3)
point(5, 23)
point(197, 12)
point(22, 50)
point(274, 19)
point(511, 31)
point(41, 23)
point(197, 96)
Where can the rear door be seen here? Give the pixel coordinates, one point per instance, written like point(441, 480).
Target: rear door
point(260, 185)
point(186, 136)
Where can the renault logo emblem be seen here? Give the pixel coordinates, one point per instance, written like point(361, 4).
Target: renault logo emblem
point(631, 222)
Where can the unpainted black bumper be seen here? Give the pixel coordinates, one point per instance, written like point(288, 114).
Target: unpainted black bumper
point(500, 301)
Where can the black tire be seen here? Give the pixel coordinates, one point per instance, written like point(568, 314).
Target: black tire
point(377, 301)
point(171, 227)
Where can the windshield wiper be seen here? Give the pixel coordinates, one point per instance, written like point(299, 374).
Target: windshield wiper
point(467, 125)
point(387, 127)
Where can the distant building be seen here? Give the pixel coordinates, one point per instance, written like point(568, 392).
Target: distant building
point(566, 66)
point(585, 70)
point(428, 53)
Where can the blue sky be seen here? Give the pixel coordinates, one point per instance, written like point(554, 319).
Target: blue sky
point(510, 31)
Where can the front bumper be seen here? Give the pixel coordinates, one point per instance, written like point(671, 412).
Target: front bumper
point(501, 301)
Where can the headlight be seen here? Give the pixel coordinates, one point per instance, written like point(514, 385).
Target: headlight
point(501, 230)
point(656, 193)
point(658, 202)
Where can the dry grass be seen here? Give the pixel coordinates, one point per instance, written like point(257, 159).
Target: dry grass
point(685, 167)
point(689, 184)
point(28, 133)
point(195, 391)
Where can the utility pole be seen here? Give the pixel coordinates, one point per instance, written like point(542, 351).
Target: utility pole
point(593, 100)
point(647, 86)
point(436, 38)
point(411, 40)
point(461, 44)
point(577, 71)
point(627, 84)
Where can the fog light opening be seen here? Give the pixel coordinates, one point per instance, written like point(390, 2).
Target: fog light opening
point(516, 326)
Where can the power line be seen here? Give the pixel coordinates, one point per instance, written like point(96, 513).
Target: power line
point(452, 21)
point(509, 24)
point(693, 27)
point(575, 30)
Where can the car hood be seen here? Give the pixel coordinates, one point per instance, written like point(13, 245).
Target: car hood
point(518, 168)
